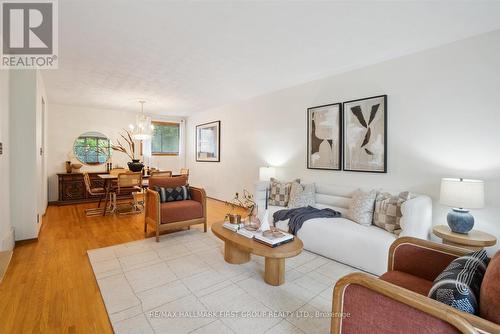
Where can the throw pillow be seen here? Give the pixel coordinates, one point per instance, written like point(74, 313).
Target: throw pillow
point(173, 194)
point(387, 213)
point(302, 195)
point(459, 284)
point(361, 207)
point(280, 192)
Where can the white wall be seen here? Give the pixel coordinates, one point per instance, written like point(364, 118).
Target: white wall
point(66, 123)
point(443, 121)
point(24, 173)
point(6, 230)
point(41, 142)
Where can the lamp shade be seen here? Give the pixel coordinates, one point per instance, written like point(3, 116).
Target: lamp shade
point(462, 193)
point(265, 173)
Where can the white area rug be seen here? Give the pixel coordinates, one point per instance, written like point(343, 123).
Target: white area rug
point(183, 285)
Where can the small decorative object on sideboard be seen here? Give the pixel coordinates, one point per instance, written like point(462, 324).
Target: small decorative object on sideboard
point(461, 195)
point(76, 167)
point(68, 167)
point(129, 149)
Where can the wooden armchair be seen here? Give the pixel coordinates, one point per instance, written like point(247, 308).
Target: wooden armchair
point(397, 302)
point(177, 214)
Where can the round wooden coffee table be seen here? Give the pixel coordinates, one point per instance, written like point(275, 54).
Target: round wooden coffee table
point(237, 250)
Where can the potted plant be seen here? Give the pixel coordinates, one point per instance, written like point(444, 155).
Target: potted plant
point(135, 165)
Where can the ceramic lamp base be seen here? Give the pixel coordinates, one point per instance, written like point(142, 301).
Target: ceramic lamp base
point(460, 221)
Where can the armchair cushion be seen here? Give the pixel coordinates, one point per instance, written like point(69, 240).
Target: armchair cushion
point(489, 302)
point(173, 194)
point(172, 212)
point(459, 284)
point(408, 281)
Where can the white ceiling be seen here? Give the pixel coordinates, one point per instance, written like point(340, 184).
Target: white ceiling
point(189, 56)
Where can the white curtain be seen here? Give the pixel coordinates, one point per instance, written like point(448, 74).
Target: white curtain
point(146, 151)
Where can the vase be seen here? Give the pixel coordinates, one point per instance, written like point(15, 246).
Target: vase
point(252, 223)
point(68, 167)
point(135, 165)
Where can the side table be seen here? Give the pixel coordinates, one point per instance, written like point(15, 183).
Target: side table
point(474, 240)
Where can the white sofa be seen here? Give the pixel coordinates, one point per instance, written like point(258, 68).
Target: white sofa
point(345, 241)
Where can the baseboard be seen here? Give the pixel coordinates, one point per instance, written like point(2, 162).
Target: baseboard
point(7, 243)
point(5, 258)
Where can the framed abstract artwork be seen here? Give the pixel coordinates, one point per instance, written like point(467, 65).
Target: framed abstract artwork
point(208, 142)
point(365, 135)
point(324, 137)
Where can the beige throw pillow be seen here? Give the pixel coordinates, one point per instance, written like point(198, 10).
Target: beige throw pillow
point(279, 194)
point(387, 213)
point(302, 195)
point(361, 207)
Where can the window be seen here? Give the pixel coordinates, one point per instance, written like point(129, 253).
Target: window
point(165, 140)
point(92, 148)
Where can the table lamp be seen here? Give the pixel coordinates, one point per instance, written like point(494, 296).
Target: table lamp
point(461, 195)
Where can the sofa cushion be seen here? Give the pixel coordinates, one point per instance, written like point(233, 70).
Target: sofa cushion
point(279, 194)
point(167, 182)
point(459, 284)
point(302, 195)
point(387, 213)
point(361, 207)
point(340, 239)
point(489, 301)
point(172, 212)
point(408, 281)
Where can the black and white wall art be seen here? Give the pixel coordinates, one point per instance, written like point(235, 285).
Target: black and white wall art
point(324, 137)
point(365, 134)
point(208, 142)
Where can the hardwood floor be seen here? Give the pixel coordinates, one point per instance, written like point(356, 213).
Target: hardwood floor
point(49, 286)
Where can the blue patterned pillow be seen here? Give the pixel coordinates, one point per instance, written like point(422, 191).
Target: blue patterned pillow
point(173, 194)
point(459, 284)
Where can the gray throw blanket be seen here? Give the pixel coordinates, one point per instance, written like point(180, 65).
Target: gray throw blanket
point(299, 215)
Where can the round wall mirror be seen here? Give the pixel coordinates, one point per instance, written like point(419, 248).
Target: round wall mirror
point(92, 148)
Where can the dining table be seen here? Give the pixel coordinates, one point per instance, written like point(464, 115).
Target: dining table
point(108, 181)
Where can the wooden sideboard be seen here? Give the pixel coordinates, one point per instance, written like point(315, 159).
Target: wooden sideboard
point(72, 188)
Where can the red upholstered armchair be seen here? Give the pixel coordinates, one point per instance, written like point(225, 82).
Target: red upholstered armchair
point(177, 214)
point(397, 302)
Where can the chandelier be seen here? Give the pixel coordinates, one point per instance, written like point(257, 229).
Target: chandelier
point(142, 129)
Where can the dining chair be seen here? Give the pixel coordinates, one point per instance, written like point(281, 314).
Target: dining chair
point(165, 173)
point(96, 191)
point(130, 182)
point(117, 171)
point(185, 171)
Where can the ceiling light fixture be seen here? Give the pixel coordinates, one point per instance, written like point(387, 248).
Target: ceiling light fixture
point(143, 128)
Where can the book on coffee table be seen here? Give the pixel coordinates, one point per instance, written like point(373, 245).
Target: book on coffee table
point(273, 241)
point(232, 227)
point(246, 233)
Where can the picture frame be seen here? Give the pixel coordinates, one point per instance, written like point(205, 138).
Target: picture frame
point(365, 134)
point(324, 137)
point(208, 142)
